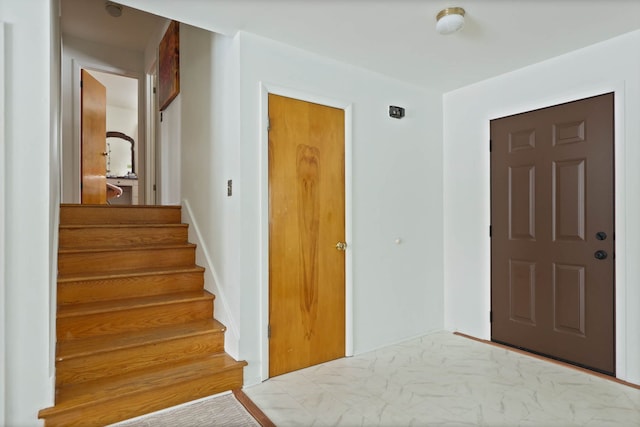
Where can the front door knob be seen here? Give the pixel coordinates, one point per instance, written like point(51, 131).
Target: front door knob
point(600, 255)
point(341, 246)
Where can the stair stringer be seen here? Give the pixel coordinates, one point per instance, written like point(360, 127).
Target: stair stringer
point(211, 283)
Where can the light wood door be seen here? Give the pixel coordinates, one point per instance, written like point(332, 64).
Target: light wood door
point(552, 260)
point(93, 140)
point(306, 221)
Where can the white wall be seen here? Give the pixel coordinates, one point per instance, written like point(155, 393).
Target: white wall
point(396, 187)
point(206, 159)
point(77, 54)
point(168, 151)
point(30, 66)
point(609, 66)
point(123, 120)
point(2, 221)
point(396, 192)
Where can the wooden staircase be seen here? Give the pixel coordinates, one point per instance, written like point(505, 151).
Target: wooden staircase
point(135, 327)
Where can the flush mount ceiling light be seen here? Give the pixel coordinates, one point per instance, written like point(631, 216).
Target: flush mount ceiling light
point(113, 9)
point(450, 20)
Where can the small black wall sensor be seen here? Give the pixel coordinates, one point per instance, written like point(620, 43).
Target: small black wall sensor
point(396, 112)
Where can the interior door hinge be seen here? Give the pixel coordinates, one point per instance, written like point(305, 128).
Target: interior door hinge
point(160, 115)
point(269, 331)
point(154, 89)
point(491, 317)
point(490, 145)
point(268, 124)
point(490, 231)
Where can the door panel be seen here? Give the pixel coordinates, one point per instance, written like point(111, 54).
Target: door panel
point(568, 299)
point(306, 220)
point(93, 124)
point(569, 183)
point(522, 213)
point(552, 192)
point(522, 286)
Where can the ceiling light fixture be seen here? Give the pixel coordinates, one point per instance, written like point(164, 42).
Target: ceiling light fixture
point(450, 20)
point(113, 9)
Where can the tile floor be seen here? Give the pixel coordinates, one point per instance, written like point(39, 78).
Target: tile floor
point(445, 380)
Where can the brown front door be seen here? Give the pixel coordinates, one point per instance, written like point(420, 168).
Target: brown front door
point(306, 221)
point(93, 141)
point(552, 205)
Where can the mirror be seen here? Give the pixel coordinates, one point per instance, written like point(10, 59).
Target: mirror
point(120, 156)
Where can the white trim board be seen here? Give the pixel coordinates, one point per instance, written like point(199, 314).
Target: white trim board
point(2, 233)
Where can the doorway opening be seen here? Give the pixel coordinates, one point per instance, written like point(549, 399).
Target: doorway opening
point(122, 136)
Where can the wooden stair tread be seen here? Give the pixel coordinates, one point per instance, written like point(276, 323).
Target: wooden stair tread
point(130, 303)
point(92, 393)
point(129, 273)
point(134, 247)
point(132, 226)
point(88, 346)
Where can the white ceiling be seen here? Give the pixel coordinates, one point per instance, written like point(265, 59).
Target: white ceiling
point(398, 38)
point(88, 20)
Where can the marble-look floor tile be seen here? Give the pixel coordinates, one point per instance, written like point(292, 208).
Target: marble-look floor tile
point(445, 380)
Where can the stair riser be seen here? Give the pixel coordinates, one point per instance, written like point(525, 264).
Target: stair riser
point(114, 261)
point(137, 319)
point(122, 361)
point(128, 287)
point(146, 401)
point(83, 214)
point(114, 236)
